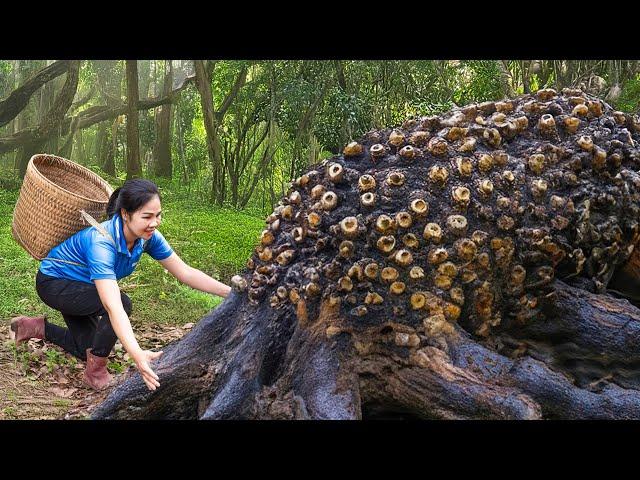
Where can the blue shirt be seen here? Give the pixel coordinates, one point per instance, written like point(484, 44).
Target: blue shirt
point(98, 257)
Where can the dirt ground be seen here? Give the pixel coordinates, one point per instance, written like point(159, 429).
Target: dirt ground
point(38, 380)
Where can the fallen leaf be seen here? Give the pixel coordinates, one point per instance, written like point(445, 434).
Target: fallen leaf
point(63, 392)
point(62, 379)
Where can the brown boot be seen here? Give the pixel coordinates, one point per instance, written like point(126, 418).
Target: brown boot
point(95, 373)
point(25, 328)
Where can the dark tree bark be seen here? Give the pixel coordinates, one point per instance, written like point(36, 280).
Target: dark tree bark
point(87, 118)
point(48, 126)
point(236, 363)
point(134, 169)
point(11, 106)
point(482, 314)
point(162, 148)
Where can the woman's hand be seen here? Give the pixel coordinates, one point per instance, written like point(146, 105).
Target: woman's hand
point(142, 364)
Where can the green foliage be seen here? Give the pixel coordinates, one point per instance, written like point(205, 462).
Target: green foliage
point(55, 358)
point(5, 76)
point(115, 367)
point(22, 355)
point(483, 82)
point(629, 100)
point(311, 108)
point(87, 75)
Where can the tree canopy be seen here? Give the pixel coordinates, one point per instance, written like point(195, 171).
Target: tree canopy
point(235, 132)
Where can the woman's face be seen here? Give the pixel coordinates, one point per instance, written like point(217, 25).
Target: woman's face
point(143, 222)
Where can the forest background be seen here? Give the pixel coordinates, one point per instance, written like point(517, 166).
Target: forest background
point(224, 138)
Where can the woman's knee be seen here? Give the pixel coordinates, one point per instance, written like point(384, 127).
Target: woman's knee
point(126, 303)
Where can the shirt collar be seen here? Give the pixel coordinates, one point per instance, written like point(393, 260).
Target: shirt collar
point(121, 241)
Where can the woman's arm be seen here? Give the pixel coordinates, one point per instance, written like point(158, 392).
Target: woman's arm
point(109, 293)
point(194, 277)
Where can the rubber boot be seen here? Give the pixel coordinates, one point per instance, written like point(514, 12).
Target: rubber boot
point(95, 373)
point(24, 328)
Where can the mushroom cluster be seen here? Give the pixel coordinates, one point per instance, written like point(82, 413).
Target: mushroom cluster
point(464, 217)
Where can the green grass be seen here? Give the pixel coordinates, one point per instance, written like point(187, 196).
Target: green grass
point(214, 240)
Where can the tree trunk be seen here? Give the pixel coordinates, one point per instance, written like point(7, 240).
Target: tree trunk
point(485, 317)
point(162, 147)
point(134, 168)
point(110, 149)
point(100, 144)
point(203, 82)
point(21, 120)
point(183, 160)
point(87, 118)
point(244, 361)
point(506, 80)
point(50, 121)
point(11, 106)
point(213, 120)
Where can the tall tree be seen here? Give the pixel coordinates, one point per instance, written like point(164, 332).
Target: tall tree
point(109, 82)
point(134, 168)
point(50, 123)
point(213, 119)
point(162, 147)
point(203, 82)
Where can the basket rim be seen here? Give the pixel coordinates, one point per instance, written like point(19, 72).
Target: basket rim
point(82, 167)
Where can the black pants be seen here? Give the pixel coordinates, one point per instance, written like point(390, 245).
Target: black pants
point(84, 314)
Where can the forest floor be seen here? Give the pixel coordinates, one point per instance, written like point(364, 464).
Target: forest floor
point(38, 380)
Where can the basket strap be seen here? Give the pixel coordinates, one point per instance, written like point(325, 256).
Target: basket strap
point(97, 226)
point(64, 261)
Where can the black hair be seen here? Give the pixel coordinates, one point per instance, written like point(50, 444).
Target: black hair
point(131, 196)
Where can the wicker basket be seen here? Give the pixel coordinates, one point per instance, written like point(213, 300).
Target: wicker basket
point(53, 192)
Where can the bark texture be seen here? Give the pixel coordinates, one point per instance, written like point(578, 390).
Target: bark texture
point(458, 267)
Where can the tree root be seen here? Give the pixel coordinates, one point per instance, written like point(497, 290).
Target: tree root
point(250, 361)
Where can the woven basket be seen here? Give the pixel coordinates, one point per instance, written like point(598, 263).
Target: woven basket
point(53, 192)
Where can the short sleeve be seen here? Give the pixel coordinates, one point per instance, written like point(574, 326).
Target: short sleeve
point(101, 258)
point(158, 247)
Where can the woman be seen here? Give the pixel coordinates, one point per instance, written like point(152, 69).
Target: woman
point(79, 278)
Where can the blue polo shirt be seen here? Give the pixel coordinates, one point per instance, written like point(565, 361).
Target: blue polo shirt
point(98, 257)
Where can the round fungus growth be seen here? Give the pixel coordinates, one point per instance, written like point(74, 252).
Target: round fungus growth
point(463, 217)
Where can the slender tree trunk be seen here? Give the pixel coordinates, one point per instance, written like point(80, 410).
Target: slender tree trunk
point(47, 96)
point(82, 156)
point(146, 89)
point(526, 81)
point(22, 155)
point(133, 138)
point(106, 74)
point(110, 149)
point(100, 144)
point(203, 82)
point(506, 80)
point(183, 160)
point(162, 147)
